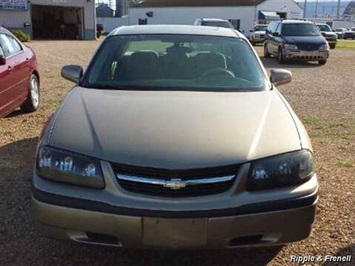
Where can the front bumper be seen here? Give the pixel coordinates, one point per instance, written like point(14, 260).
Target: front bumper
point(102, 225)
point(258, 39)
point(306, 55)
point(115, 217)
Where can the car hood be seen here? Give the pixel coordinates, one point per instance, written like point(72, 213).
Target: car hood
point(304, 39)
point(328, 34)
point(259, 32)
point(174, 129)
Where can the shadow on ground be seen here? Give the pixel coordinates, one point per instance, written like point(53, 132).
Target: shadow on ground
point(343, 254)
point(21, 245)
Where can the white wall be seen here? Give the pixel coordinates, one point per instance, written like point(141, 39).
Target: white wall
point(293, 10)
point(187, 15)
point(112, 23)
point(14, 19)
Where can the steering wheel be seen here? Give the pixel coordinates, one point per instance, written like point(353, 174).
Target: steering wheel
point(217, 72)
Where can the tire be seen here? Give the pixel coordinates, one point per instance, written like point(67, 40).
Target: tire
point(252, 42)
point(322, 62)
point(266, 52)
point(280, 57)
point(33, 98)
point(332, 46)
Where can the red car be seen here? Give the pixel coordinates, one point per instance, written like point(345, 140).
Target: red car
point(19, 77)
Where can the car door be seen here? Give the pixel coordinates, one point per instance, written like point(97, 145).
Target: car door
point(276, 38)
point(269, 36)
point(15, 74)
point(4, 82)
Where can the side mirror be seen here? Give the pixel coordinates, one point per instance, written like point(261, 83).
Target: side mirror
point(276, 34)
point(280, 76)
point(72, 73)
point(2, 60)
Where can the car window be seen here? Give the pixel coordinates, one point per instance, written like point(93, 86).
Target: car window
point(1, 50)
point(324, 28)
point(169, 62)
point(260, 28)
point(278, 29)
point(9, 45)
point(299, 29)
point(272, 27)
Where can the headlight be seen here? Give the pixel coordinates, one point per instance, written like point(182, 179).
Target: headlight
point(282, 170)
point(290, 46)
point(324, 47)
point(69, 167)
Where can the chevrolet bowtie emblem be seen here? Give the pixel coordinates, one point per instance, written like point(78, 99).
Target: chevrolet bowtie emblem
point(175, 184)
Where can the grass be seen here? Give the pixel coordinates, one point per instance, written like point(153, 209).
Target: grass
point(343, 163)
point(346, 44)
point(317, 124)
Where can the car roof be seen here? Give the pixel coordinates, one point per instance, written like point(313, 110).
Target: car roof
point(213, 19)
point(2, 29)
point(176, 29)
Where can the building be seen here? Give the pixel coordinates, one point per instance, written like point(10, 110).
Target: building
point(104, 11)
point(50, 19)
point(244, 14)
point(121, 8)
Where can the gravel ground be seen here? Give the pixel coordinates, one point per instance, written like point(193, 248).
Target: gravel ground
point(322, 96)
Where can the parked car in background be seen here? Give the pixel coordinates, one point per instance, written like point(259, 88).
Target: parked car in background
point(214, 22)
point(340, 32)
point(328, 34)
point(175, 137)
point(295, 40)
point(19, 77)
point(350, 34)
point(258, 34)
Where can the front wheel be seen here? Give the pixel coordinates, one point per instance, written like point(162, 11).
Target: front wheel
point(280, 57)
point(32, 102)
point(322, 62)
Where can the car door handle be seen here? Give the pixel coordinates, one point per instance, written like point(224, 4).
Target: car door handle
point(27, 60)
point(9, 68)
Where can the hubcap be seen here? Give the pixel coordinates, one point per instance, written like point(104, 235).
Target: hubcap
point(34, 90)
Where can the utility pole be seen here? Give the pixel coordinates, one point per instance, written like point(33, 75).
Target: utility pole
point(338, 9)
point(316, 14)
point(305, 9)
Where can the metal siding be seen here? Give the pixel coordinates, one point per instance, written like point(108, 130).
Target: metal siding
point(14, 19)
point(187, 15)
point(292, 9)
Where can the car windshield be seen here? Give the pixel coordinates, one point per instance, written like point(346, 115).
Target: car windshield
point(175, 62)
point(324, 28)
point(299, 29)
point(216, 23)
point(260, 28)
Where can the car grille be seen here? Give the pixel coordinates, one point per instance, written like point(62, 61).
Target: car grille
point(175, 183)
point(308, 47)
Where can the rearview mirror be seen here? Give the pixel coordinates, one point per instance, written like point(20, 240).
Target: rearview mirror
point(280, 76)
point(2, 60)
point(72, 73)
